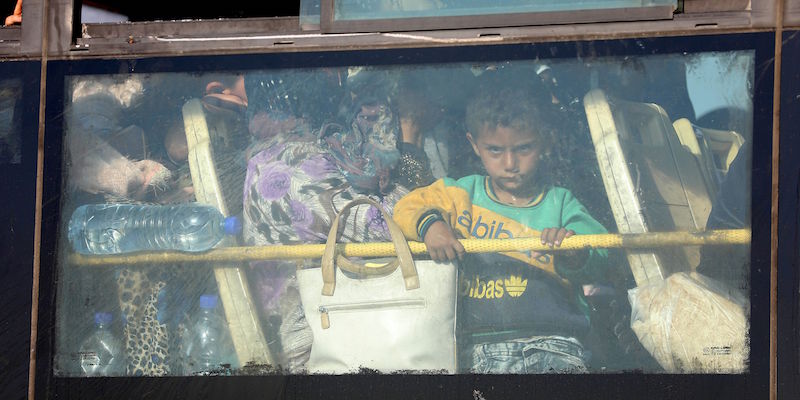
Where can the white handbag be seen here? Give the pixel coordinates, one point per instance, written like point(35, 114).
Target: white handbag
point(400, 316)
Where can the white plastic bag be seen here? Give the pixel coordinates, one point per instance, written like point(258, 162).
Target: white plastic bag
point(690, 324)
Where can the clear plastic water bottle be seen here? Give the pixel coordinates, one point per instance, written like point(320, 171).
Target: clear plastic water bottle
point(125, 228)
point(207, 346)
point(101, 353)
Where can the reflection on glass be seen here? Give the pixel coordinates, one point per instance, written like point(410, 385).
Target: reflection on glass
point(10, 121)
point(385, 9)
point(568, 152)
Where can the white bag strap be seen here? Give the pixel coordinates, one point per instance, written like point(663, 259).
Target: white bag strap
point(404, 259)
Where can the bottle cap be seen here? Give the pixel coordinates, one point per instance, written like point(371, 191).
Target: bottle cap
point(208, 301)
point(103, 318)
point(232, 225)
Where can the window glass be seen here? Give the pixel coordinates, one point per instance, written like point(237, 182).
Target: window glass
point(199, 207)
point(19, 94)
point(386, 9)
point(10, 121)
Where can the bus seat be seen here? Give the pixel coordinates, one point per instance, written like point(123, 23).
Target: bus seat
point(687, 136)
point(722, 146)
point(725, 144)
point(713, 149)
point(234, 293)
point(653, 182)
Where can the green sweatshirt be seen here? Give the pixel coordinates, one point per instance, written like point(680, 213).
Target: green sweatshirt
point(471, 208)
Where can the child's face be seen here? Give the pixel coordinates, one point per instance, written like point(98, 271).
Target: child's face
point(510, 157)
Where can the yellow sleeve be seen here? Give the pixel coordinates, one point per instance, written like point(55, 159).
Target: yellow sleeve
point(443, 196)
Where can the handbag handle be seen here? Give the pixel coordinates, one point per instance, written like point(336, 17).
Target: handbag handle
point(404, 259)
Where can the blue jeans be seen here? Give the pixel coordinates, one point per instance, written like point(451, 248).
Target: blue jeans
point(534, 355)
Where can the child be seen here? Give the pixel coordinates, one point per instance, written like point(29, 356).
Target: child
point(518, 312)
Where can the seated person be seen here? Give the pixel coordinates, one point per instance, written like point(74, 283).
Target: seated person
point(305, 164)
point(519, 312)
point(107, 152)
point(730, 210)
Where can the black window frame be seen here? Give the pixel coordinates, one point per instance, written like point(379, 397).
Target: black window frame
point(754, 384)
point(17, 219)
point(787, 331)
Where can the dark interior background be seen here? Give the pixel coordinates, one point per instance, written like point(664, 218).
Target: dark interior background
point(150, 10)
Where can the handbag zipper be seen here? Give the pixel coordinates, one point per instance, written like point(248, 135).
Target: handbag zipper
point(325, 310)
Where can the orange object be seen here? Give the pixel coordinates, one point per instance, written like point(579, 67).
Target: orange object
point(15, 18)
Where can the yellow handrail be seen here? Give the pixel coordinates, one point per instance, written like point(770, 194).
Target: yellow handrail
point(384, 249)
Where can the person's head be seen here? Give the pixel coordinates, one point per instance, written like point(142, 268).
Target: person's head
point(509, 130)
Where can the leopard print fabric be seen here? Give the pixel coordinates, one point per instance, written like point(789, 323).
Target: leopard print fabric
point(146, 340)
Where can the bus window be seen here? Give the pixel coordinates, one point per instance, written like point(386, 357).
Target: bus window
point(363, 16)
point(10, 122)
point(619, 173)
point(19, 93)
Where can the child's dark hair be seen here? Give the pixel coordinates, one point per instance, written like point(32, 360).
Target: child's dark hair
point(524, 108)
point(520, 108)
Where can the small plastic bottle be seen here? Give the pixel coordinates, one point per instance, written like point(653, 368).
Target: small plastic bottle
point(101, 353)
point(126, 228)
point(207, 347)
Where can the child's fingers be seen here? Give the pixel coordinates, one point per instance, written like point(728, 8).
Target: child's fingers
point(460, 251)
point(453, 251)
point(560, 235)
point(554, 236)
point(547, 236)
point(450, 254)
point(436, 255)
point(443, 254)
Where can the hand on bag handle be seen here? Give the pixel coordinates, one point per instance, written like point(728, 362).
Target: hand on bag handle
point(404, 259)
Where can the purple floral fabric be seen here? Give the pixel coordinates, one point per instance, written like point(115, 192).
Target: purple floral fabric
point(318, 166)
point(274, 181)
point(375, 222)
point(293, 190)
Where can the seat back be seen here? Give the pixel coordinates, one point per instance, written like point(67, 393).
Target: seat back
point(714, 149)
point(654, 183)
point(234, 290)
